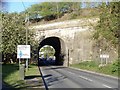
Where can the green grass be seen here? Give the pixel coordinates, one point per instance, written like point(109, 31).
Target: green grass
point(32, 70)
point(108, 70)
point(94, 66)
point(11, 77)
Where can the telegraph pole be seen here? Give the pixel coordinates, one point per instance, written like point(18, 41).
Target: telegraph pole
point(27, 21)
point(27, 16)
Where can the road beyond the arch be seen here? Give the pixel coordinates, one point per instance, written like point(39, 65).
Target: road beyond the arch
point(63, 77)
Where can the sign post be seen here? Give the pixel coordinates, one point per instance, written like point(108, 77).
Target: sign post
point(68, 57)
point(104, 57)
point(23, 51)
point(20, 54)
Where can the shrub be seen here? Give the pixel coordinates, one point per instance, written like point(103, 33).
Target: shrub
point(73, 16)
point(115, 66)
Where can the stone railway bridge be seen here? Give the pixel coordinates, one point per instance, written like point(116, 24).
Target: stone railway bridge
point(72, 40)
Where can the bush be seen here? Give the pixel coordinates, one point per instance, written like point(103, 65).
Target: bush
point(73, 16)
point(89, 63)
point(50, 17)
point(115, 66)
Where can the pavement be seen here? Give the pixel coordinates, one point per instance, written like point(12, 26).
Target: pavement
point(34, 83)
point(63, 77)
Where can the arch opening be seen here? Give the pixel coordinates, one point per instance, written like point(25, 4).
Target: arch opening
point(47, 55)
point(59, 50)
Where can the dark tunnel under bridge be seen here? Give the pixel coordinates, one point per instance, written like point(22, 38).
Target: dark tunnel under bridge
point(59, 46)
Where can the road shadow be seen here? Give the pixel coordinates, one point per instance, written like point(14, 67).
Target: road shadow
point(32, 77)
point(49, 75)
point(58, 67)
point(33, 81)
point(51, 80)
point(54, 80)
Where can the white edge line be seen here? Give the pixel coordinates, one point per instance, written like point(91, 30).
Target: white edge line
point(107, 86)
point(92, 72)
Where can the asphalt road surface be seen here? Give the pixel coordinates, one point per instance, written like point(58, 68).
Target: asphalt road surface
point(63, 77)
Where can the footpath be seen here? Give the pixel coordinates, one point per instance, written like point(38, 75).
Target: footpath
point(34, 80)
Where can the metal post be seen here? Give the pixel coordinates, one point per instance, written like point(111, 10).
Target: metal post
point(68, 57)
point(101, 57)
point(106, 61)
point(101, 61)
point(19, 63)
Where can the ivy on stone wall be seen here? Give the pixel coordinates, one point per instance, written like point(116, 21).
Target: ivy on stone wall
point(108, 26)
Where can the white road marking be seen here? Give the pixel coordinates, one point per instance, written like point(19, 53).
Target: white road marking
point(85, 78)
point(107, 86)
point(71, 73)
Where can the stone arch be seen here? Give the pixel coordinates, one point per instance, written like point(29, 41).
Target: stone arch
point(59, 45)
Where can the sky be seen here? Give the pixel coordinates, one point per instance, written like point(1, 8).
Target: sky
point(21, 5)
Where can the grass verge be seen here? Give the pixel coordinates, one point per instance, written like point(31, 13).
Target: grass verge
point(11, 77)
point(33, 78)
point(110, 69)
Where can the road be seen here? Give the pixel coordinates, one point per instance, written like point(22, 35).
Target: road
point(63, 77)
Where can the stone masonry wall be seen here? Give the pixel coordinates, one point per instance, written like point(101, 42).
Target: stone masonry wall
point(77, 36)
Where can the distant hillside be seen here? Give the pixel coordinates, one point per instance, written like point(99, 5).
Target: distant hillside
point(84, 13)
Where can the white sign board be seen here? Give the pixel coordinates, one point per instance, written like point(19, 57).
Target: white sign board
point(104, 56)
point(23, 51)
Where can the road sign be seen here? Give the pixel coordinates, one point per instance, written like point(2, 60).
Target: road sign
point(23, 51)
point(20, 54)
point(104, 56)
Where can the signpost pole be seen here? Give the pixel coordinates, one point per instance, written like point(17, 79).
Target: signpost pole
point(20, 54)
point(26, 64)
point(23, 51)
point(101, 61)
point(68, 57)
point(101, 56)
point(106, 61)
point(19, 63)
